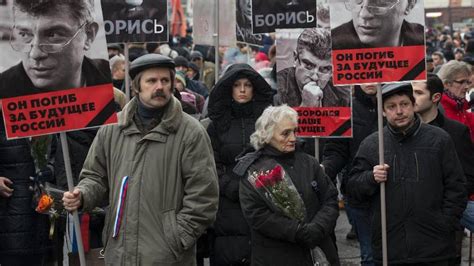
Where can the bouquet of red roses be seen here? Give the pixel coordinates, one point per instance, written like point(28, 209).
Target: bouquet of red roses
point(278, 188)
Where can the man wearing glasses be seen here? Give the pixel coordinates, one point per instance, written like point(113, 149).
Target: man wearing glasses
point(308, 83)
point(456, 77)
point(378, 23)
point(51, 38)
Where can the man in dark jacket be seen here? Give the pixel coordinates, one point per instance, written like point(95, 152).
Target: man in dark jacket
point(428, 95)
point(425, 184)
point(379, 24)
point(338, 155)
point(23, 232)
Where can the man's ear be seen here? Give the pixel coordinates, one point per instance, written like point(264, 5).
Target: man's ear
point(91, 33)
point(436, 97)
point(295, 56)
point(410, 6)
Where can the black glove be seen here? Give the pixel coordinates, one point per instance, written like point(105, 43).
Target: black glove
point(308, 235)
point(46, 174)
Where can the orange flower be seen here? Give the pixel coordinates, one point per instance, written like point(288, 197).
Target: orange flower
point(44, 204)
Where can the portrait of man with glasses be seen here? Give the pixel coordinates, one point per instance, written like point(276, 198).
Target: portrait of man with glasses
point(51, 38)
point(376, 23)
point(308, 82)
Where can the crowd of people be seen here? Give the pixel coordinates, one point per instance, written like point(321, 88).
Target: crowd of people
point(172, 182)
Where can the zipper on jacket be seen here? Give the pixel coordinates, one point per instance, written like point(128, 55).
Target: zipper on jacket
point(243, 133)
point(395, 172)
point(417, 168)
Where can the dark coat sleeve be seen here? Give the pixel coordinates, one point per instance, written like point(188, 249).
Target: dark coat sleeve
point(261, 218)
point(228, 182)
point(465, 150)
point(326, 217)
point(455, 196)
point(335, 156)
point(361, 183)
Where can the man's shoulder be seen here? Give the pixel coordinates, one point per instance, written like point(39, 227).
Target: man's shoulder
point(344, 36)
point(191, 125)
point(96, 71)
point(453, 127)
point(284, 75)
point(343, 28)
point(14, 82)
point(413, 33)
point(434, 133)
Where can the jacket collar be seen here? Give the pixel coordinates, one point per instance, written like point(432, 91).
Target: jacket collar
point(170, 121)
point(438, 121)
point(412, 131)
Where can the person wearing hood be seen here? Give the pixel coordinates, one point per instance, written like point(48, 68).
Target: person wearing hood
point(235, 103)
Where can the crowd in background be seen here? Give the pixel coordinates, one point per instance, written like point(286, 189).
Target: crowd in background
point(230, 124)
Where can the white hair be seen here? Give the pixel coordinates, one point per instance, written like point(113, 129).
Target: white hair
point(266, 123)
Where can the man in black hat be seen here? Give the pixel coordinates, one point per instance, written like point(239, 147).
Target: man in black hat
point(424, 181)
point(207, 72)
point(182, 64)
point(160, 181)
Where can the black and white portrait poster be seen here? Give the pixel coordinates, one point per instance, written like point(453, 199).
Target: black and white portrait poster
point(377, 41)
point(136, 20)
point(282, 14)
point(244, 24)
point(55, 74)
point(304, 82)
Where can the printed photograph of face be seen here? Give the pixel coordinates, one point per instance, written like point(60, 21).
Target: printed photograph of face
point(51, 47)
point(376, 23)
point(307, 82)
point(244, 23)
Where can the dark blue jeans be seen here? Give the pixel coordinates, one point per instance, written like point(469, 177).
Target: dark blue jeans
point(360, 220)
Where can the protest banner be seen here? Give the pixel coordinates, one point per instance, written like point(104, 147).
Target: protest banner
point(204, 20)
point(304, 83)
point(135, 20)
point(57, 111)
point(61, 83)
point(282, 14)
point(244, 24)
point(381, 42)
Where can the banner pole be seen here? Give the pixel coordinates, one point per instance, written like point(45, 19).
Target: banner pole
point(248, 53)
point(216, 43)
point(70, 184)
point(383, 211)
point(127, 69)
point(316, 149)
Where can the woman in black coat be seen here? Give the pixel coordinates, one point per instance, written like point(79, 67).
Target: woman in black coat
point(235, 103)
point(279, 238)
point(23, 232)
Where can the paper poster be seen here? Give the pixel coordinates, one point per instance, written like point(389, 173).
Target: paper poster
point(377, 41)
point(244, 24)
point(304, 82)
point(55, 69)
point(282, 14)
point(136, 20)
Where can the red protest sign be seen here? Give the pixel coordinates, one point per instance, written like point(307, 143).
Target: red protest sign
point(379, 65)
point(57, 111)
point(324, 121)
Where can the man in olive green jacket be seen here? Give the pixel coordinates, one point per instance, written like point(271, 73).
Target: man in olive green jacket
point(155, 170)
